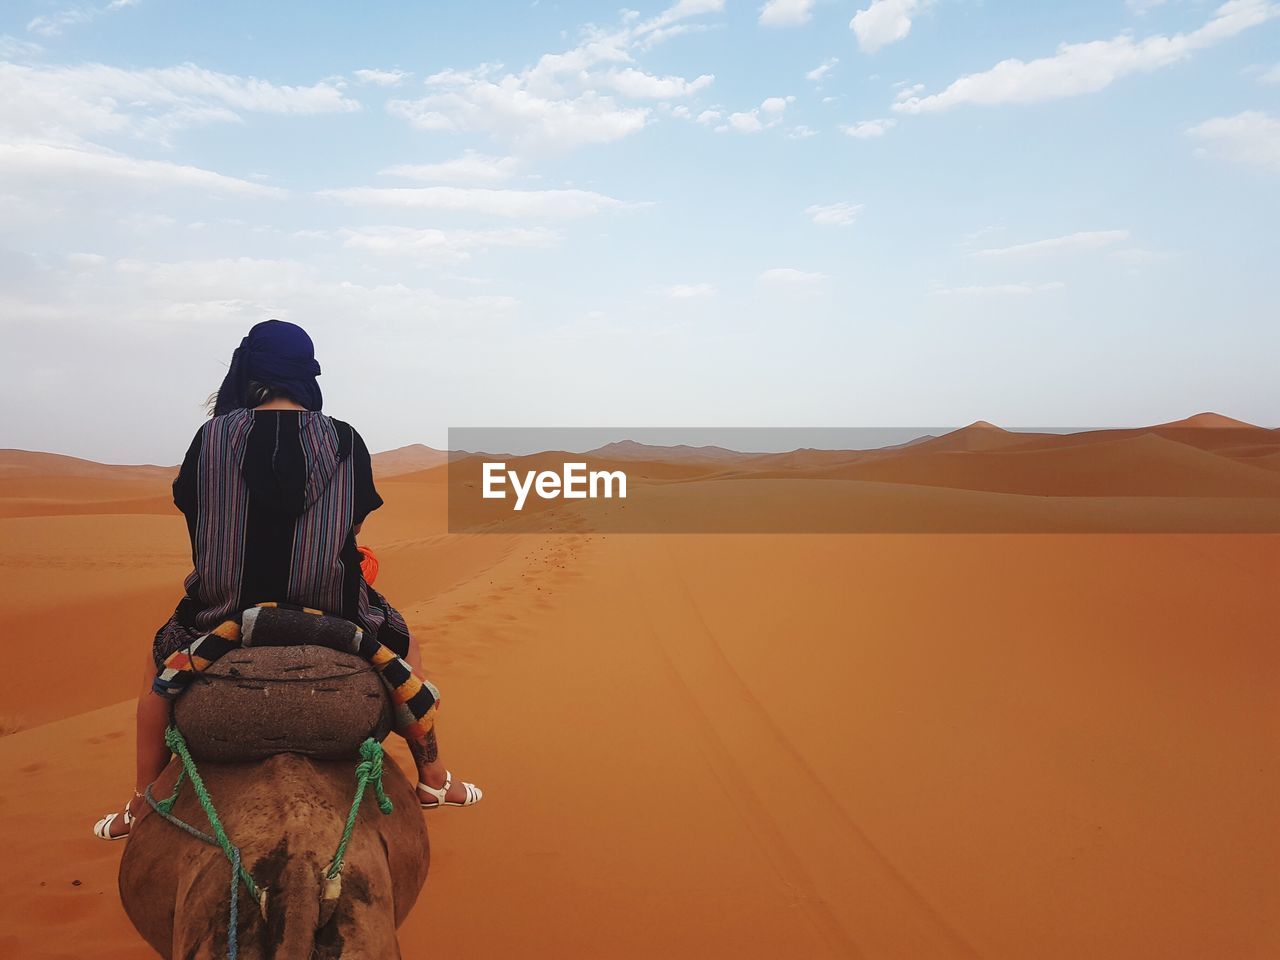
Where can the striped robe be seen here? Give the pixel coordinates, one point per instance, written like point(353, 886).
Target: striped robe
point(271, 499)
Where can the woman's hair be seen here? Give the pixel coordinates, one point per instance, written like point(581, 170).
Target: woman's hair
point(255, 393)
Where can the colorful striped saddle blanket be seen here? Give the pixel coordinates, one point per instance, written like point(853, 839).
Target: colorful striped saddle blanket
point(282, 625)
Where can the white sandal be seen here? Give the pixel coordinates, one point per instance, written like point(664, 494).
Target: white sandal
point(474, 794)
point(102, 829)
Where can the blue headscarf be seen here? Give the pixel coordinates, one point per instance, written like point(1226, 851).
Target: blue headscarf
point(275, 353)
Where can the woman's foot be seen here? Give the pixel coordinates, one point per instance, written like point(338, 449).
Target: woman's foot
point(439, 789)
point(116, 826)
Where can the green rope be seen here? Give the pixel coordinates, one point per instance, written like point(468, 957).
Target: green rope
point(173, 739)
point(368, 769)
point(176, 741)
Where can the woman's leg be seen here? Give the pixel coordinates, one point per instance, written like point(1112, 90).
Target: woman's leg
point(426, 750)
point(153, 718)
point(152, 754)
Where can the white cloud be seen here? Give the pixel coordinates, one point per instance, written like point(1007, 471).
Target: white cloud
point(1270, 76)
point(669, 23)
point(1079, 68)
point(907, 90)
point(538, 204)
point(868, 129)
point(243, 290)
point(42, 164)
point(744, 122)
point(883, 23)
point(65, 103)
point(147, 222)
point(1004, 289)
point(1251, 138)
point(563, 101)
point(13, 48)
point(833, 214)
point(1138, 256)
point(639, 85)
point(819, 73)
point(448, 247)
point(85, 261)
point(786, 13)
point(471, 167)
point(1084, 240)
point(750, 121)
point(52, 25)
point(790, 277)
point(801, 132)
point(1140, 7)
point(383, 78)
point(689, 291)
point(505, 107)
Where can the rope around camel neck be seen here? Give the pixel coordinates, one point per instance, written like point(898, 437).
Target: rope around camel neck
point(368, 769)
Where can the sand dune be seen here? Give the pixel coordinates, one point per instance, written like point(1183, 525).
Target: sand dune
point(29, 463)
point(1142, 466)
point(1204, 431)
point(780, 464)
point(756, 745)
point(979, 435)
point(34, 484)
point(415, 457)
point(1268, 461)
point(631, 450)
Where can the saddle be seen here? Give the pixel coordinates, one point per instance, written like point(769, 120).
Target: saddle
point(295, 690)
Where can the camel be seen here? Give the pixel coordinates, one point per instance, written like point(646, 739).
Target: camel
point(286, 813)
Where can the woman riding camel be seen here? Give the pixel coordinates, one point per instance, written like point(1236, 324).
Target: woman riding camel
point(274, 493)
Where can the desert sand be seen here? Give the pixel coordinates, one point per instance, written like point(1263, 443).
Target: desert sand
point(754, 745)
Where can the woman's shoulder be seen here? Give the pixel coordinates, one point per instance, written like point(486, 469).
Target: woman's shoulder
point(224, 422)
point(348, 437)
point(341, 426)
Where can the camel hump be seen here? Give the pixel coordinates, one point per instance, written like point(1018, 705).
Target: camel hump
point(259, 701)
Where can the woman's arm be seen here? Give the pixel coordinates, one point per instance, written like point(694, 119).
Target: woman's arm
point(185, 496)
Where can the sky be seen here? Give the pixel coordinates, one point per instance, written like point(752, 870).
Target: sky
point(792, 213)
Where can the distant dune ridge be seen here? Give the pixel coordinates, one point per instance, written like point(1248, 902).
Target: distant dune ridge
point(416, 456)
point(631, 450)
point(758, 746)
point(27, 463)
point(1204, 457)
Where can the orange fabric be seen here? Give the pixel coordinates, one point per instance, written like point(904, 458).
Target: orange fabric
point(368, 565)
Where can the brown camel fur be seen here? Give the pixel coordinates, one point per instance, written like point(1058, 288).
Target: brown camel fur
point(286, 814)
